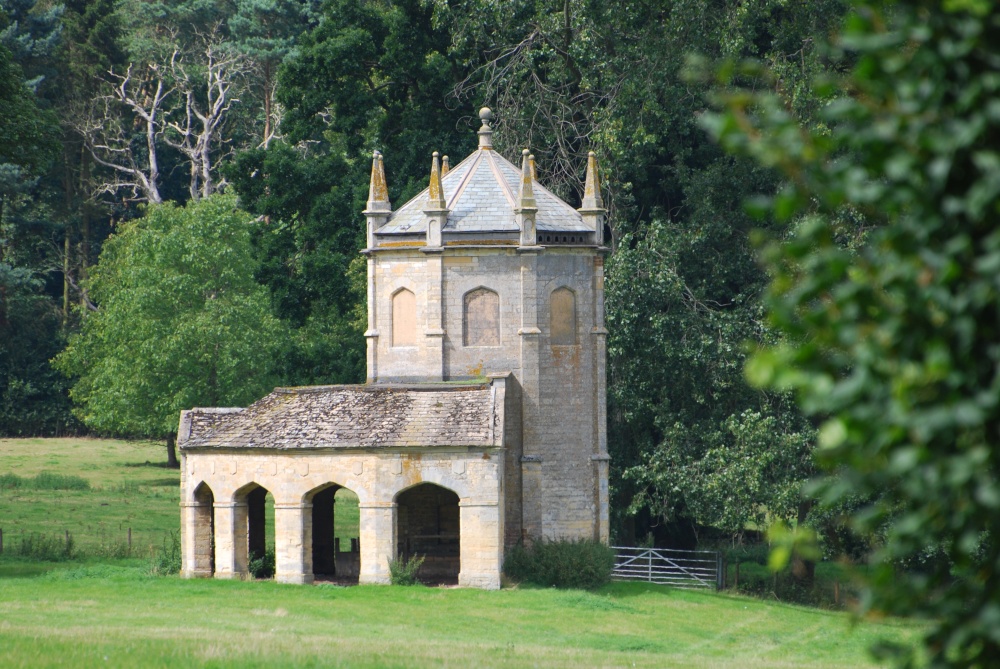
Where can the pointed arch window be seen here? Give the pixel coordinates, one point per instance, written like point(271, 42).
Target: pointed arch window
point(404, 318)
point(562, 314)
point(481, 318)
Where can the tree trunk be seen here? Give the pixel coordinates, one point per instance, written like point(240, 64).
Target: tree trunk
point(803, 571)
point(65, 295)
point(268, 103)
point(172, 451)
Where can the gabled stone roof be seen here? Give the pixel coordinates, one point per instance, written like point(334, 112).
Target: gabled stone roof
point(481, 194)
point(374, 416)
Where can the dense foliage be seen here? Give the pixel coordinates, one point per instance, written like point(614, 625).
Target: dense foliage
point(891, 342)
point(561, 563)
point(182, 322)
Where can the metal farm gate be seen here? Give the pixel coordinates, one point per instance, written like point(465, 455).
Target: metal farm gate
point(681, 569)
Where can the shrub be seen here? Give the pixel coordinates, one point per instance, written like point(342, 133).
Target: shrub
point(582, 563)
point(43, 481)
point(261, 566)
point(50, 481)
point(51, 548)
point(10, 481)
point(403, 571)
point(167, 559)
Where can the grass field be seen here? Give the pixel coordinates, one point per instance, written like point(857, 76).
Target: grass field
point(129, 488)
point(117, 616)
point(99, 611)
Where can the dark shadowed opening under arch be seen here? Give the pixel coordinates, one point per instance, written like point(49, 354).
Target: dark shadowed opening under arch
point(427, 522)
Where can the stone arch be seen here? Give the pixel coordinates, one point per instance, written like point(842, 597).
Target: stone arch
point(332, 556)
point(203, 535)
point(428, 525)
point(251, 535)
point(481, 317)
point(404, 318)
point(562, 317)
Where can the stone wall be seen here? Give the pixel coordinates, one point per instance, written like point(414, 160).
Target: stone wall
point(563, 397)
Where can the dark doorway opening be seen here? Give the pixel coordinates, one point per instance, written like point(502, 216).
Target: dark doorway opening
point(427, 523)
point(336, 548)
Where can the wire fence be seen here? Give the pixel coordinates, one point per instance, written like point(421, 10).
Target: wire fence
point(65, 545)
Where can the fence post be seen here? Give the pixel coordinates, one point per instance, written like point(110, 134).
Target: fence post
point(130, 540)
point(1, 540)
point(720, 575)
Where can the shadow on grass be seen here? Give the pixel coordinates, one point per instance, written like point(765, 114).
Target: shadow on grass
point(166, 483)
point(620, 589)
point(24, 569)
point(147, 463)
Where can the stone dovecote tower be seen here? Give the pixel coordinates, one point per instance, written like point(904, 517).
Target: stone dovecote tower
point(487, 272)
point(483, 420)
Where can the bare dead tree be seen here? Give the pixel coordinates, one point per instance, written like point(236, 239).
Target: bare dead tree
point(195, 127)
point(106, 127)
point(274, 112)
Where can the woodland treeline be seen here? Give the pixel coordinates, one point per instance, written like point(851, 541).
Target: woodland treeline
point(181, 186)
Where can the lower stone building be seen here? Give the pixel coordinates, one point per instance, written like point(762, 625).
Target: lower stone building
point(483, 420)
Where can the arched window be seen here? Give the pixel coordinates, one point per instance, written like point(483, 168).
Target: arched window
point(404, 318)
point(562, 311)
point(481, 318)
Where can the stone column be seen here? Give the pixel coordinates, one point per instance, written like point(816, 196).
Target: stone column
point(196, 540)
point(602, 529)
point(293, 543)
point(531, 493)
point(378, 540)
point(481, 544)
point(231, 540)
point(530, 334)
point(434, 331)
point(599, 335)
point(371, 334)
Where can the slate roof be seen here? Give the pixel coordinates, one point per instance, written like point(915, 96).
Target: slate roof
point(481, 193)
point(375, 416)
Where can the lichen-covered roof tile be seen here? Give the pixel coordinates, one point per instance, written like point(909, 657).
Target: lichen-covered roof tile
point(353, 417)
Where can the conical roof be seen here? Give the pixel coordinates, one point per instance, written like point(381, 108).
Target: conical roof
point(481, 196)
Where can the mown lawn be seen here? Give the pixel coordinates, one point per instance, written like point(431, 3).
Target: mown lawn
point(98, 611)
point(119, 616)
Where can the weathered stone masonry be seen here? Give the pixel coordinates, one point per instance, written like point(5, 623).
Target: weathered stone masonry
point(486, 385)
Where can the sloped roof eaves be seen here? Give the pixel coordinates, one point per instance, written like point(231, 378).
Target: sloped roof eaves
point(353, 417)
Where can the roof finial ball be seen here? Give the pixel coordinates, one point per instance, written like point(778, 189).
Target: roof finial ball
point(486, 132)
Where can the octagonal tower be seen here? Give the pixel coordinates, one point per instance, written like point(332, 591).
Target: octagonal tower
point(487, 273)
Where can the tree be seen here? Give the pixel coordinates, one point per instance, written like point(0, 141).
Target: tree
point(33, 396)
point(178, 90)
point(28, 139)
point(181, 322)
point(369, 75)
point(892, 343)
point(265, 31)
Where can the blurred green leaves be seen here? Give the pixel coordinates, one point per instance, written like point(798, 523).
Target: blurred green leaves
point(887, 295)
